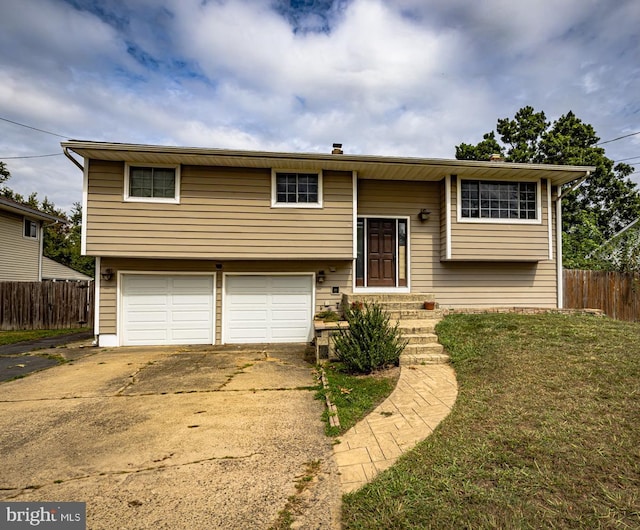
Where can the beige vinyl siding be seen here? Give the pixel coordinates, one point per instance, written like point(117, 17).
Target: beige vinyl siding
point(487, 241)
point(401, 198)
point(464, 283)
point(19, 256)
point(324, 298)
point(500, 284)
point(52, 270)
point(443, 220)
point(224, 213)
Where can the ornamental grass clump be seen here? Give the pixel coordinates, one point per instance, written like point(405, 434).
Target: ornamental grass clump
point(370, 342)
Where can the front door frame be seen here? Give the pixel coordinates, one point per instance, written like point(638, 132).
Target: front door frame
point(397, 288)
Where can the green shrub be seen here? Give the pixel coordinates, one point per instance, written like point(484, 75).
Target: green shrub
point(328, 315)
point(370, 342)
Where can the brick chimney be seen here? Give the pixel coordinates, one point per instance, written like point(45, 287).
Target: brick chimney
point(337, 149)
point(496, 157)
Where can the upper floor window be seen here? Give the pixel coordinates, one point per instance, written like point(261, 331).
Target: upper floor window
point(297, 190)
point(498, 200)
point(30, 229)
point(152, 183)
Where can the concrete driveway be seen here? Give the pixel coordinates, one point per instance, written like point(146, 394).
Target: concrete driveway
point(183, 437)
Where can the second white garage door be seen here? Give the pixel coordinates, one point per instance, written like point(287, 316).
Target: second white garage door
point(268, 308)
point(159, 309)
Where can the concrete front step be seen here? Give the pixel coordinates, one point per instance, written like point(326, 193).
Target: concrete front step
point(348, 298)
point(413, 314)
point(407, 359)
point(418, 327)
point(421, 338)
point(416, 349)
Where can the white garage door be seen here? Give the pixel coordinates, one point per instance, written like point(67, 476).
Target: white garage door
point(268, 309)
point(167, 309)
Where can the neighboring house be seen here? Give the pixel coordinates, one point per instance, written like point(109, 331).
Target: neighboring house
point(21, 230)
point(197, 245)
point(57, 272)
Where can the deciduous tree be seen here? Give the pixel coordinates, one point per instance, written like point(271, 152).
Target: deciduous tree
point(604, 204)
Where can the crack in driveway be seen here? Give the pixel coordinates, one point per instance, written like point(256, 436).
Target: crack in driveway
point(158, 460)
point(23, 489)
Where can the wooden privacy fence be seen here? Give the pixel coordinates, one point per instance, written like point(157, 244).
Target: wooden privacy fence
point(46, 305)
point(616, 293)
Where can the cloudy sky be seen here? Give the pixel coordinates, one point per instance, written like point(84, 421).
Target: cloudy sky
point(383, 77)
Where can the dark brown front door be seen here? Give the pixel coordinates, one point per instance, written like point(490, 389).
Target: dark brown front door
point(381, 270)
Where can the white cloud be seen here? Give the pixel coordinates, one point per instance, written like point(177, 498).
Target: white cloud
point(403, 77)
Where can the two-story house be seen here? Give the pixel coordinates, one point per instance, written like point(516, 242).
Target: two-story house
point(21, 231)
point(198, 245)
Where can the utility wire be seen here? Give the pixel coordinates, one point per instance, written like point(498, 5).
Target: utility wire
point(619, 138)
point(31, 156)
point(623, 159)
point(34, 128)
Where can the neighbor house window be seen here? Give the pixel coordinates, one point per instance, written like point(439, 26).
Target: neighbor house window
point(498, 200)
point(151, 183)
point(30, 229)
point(300, 190)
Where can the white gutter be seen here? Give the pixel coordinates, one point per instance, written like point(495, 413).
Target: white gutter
point(559, 268)
point(560, 278)
point(96, 302)
point(447, 208)
point(41, 249)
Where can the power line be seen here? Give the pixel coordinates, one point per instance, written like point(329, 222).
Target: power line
point(31, 156)
point(619, 138)
point(35, 128)
point(623, 159)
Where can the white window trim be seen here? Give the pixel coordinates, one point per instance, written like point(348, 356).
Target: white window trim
point(491, 220)
point(274, 191)
point(31, 238)
point(374, 289)
point(129, 198)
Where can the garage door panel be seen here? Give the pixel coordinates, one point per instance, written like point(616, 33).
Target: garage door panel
point(288, 315)
point(190, 299)
point(269, 308)
point(147, 317)
point(191, 316)
point(189, 335)
point(161, 309)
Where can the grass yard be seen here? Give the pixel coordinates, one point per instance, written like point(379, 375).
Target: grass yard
point(545, 432)
point(356, 395)
point(11, 337)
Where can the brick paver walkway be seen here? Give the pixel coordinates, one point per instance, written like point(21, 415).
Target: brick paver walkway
point(422, 398)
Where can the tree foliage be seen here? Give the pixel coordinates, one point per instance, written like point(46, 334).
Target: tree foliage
point(62, 241)
point(603, 205)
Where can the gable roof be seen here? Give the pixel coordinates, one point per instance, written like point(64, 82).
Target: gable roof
point(52, 270)
point(22, 209)
point(367, 166)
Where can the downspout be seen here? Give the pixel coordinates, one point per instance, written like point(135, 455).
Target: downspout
point(559, 256)
point(96, 279)
point(40, 249)
point(68, 155)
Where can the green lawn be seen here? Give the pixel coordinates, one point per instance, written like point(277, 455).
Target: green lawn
point(355, 395)
point(545, 432)
point(11, 337)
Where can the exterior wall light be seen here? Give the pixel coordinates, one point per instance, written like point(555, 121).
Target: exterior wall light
point(106, 274)
point(320, 277)
point(424, 215)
